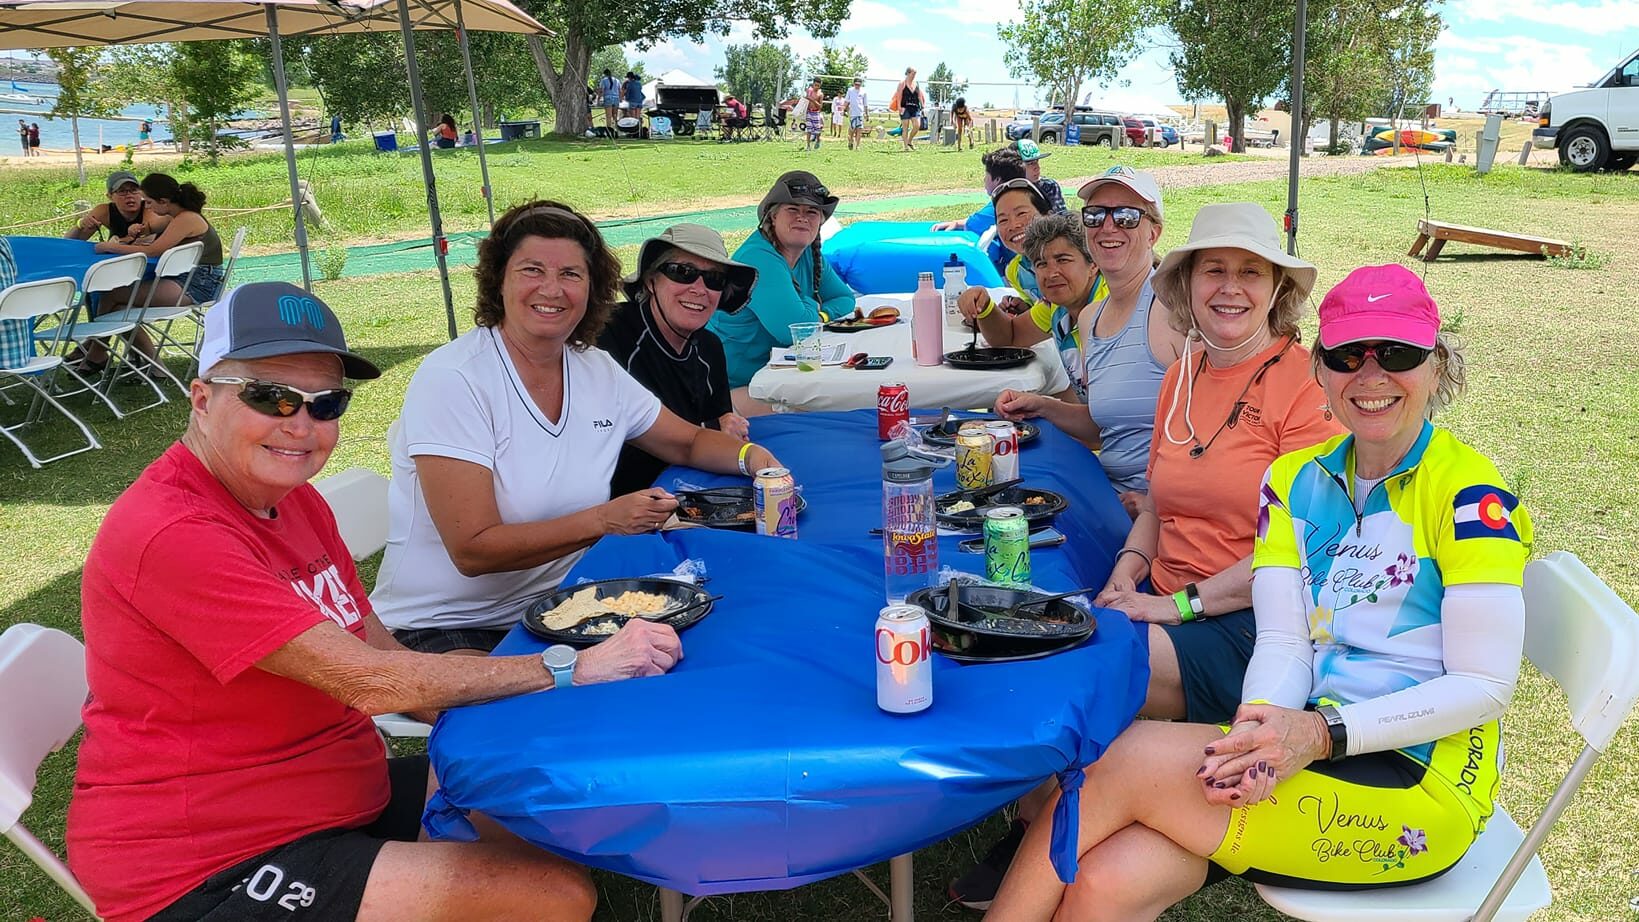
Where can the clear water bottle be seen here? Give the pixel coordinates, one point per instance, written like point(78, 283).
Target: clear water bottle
point(953, 284)
point(910, 535)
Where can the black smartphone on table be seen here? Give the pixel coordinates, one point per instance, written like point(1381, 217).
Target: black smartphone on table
point(1047, 536)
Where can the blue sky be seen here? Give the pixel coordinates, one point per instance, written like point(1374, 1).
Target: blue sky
point(1548, 45)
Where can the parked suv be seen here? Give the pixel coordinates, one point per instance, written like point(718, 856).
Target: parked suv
point(1093, 128)
point(1595, 128)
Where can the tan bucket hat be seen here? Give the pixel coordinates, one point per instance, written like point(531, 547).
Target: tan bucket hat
point(1240, 225)
point(696, 240)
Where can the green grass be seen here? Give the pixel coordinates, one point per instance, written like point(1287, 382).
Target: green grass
point(369, 196)
point(1552, 398)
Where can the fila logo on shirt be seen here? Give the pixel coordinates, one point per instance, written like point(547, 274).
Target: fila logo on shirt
point(601, 424)
point(328, 593)
point(1484, 511)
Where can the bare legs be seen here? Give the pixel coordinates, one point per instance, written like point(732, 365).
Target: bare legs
point(1165, 700)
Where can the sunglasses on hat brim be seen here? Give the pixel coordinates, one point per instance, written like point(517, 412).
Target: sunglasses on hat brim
point(270, 398)
point(1391, 356)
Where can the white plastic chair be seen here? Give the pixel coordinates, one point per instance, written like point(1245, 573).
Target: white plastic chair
point(358, 499)
point(196, 312)
point(1578, 632)
point(103, 277)
point(179, 262)
point(33, 303)
point(42, 688)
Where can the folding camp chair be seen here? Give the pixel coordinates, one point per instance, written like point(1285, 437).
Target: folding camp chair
point(42, 688)
point(103, 277)
point(1580, 634)
point(660, 128)
point(705, 125)
point(29, 306)
point(196, 312)
point(179, 262)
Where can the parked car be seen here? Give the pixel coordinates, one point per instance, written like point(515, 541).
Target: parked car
point(1020, 126)
point(1092, 127)
point(1596, 128)
point(1159, 135)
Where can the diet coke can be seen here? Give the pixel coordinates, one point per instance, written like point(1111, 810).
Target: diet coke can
point(904, 660)
point(893, 406)
point(1004, 454)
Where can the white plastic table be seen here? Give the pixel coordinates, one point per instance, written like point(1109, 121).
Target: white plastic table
point(833, 387)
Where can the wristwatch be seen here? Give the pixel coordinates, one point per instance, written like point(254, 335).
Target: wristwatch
point(559, 659)
point(1338, 732)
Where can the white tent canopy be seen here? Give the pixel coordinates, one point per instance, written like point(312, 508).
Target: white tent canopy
point(673, 78)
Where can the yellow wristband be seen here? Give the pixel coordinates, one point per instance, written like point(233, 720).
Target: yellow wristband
point(989, 309)
point(745, 450)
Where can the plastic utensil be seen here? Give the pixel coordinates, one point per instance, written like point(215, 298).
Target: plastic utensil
point(1012, 611)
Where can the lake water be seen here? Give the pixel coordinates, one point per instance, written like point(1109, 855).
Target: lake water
point(57, 134)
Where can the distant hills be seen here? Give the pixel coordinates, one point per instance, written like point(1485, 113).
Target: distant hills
point(42, 70)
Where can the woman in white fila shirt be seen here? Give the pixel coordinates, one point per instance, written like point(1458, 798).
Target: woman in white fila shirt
point(509, 435)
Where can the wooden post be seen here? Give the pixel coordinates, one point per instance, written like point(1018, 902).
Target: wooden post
point(1035, 128)
point(1525, 153)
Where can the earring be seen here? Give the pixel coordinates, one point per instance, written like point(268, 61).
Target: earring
point(1326, 411)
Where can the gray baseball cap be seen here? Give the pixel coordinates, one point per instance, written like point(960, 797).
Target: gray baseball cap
point(121, 177)
point(260, 320)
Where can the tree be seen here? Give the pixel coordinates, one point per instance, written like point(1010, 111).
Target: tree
point(1062, 44)
point(836, 68)
point(582, 26)
point(613, 57)
point(83, 89)
point(943, 87)
point(218, 79)
point(1237, 50)
point(148, 72)
point(762, 72)
point(1355, 52)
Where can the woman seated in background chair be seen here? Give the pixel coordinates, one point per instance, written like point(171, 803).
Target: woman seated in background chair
point(1387, 581)
point(509, 436)
point(181, 205)
point(794, 282)
point(683, 278)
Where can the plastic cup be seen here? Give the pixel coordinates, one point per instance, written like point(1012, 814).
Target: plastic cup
point(806, 345)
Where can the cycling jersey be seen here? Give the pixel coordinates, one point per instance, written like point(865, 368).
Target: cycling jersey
point(1376, 577)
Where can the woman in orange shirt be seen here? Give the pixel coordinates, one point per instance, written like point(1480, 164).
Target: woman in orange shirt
point(445, 134)
point(1241, 396)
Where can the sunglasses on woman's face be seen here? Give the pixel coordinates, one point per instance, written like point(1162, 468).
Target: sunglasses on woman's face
point(1126, 216)
point(1350, 357)
point(271, 398)
point(685, 274)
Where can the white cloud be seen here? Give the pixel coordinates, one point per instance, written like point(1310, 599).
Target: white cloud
point(869, 14)
point(1450, 41)
point(911, 45)
point(1517, 64)
point(1599, 18)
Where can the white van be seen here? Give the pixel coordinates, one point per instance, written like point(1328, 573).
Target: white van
point(1595, 128)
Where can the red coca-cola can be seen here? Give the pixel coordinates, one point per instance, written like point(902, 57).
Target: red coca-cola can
point(893, 406)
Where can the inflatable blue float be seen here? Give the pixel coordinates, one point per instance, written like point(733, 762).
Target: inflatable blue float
point(882, 257)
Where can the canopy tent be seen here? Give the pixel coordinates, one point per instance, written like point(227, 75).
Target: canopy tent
point(35, 24)
point(674, 78)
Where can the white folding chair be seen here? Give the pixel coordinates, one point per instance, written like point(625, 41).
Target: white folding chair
point(106, 276)
point(358, 499)
point(1579, 633)
point(42, 688)
point(35, 305)
point(179, 262)
point(196, 312)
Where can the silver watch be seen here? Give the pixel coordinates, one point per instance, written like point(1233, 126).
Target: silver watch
point(559, 659)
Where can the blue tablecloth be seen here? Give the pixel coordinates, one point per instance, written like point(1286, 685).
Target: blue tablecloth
point(40, 258)
point(761, 761)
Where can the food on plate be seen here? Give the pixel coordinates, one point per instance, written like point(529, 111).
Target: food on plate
point(706, 511)
point(585, 604)
point(1036, 501)
point(883, 314)
point(960, 506)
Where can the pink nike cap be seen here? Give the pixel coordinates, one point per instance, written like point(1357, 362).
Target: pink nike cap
point(1379, 302)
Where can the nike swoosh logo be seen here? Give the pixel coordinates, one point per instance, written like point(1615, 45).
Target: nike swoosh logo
point(1373, 299)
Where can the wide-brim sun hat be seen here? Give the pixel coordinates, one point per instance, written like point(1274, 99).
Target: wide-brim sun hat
point(1379, 303)
point(798, 187)
point(1234, 225)
point(1141, 183)
point(696, 240)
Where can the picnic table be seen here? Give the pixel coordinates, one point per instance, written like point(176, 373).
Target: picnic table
point(40, 258)
point(833, 387)
point(761, 760)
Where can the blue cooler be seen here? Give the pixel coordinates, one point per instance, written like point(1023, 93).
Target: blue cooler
point(386, 141)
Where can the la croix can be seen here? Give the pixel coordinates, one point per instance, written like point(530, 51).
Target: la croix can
point(904, 660)
point(893, 406)
point(774, 492)
point(1004, 454)
point(974, 447)
point(1007, 546)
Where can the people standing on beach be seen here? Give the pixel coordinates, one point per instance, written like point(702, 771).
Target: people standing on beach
point(909, 100)
point(22, 136)
point(34, 139)
point(145, 133)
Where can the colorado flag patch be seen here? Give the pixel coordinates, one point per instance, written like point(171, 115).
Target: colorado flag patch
point(1484, 511)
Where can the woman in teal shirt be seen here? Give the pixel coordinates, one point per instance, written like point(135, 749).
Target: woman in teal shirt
point(794, 283)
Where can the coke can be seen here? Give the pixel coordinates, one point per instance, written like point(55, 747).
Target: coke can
point(1004, 458)
point(893, 406)
point(974, 447)
point(774, 492)
point(1007, 546)
point(904, 660)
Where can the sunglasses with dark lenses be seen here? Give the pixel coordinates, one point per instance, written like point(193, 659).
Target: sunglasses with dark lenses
point(271, 398)
point(1349, 357)
point(1126, 216)
point(685, 274)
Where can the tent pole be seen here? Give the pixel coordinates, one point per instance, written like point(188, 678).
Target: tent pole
point(290, 141)
point(1300, 25)
point(477, 119)
point(440, 243)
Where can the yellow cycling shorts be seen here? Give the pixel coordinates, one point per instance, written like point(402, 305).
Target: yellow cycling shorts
point(1373, 820)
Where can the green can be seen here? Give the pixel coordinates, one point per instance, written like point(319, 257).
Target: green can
point(1007, 546)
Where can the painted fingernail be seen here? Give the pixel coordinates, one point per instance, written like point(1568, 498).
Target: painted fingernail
point(1211, 751)
point(1263, 766)
point(1235, 796)
point(1201, 770)
point(1271, 771)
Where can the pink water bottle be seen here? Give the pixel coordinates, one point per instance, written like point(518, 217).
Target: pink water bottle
point(927, 322)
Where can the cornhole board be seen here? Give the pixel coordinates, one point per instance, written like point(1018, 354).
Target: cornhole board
point(1440, 232)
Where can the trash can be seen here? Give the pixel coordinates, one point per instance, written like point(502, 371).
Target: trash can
point(515, 131)
point(386, 141)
